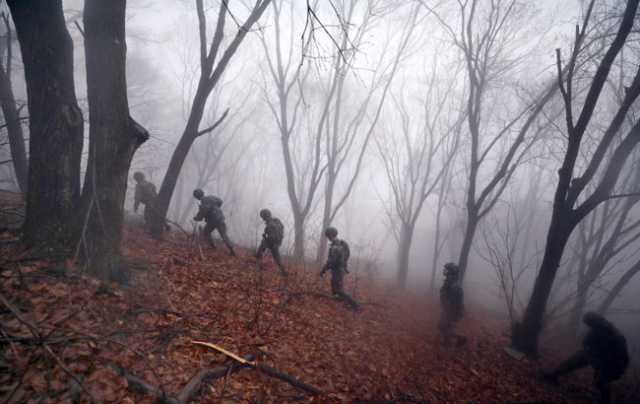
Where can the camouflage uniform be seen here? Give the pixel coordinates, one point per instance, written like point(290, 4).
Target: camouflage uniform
point(145, 194)
point(452, 310)
point(337, 263)
point(211, 212)
point(272, 240)
point(604, 348)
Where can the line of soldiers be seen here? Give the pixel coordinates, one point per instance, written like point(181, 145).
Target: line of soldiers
point(211, 212)
point(604, 347)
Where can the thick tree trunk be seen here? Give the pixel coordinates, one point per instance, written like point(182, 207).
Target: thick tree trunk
point(14, 130)
point(524, 335)
point(114, 138)
point(55, 125)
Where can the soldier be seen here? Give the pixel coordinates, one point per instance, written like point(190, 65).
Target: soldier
point(604, 348)
point(337, 264)
point(145, 194)
point(211, 212)
point(271, 239)
point(451, 305)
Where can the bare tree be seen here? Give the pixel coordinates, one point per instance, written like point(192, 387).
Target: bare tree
point(55, 125)
point(303, 169)
point(567, 211)
point(488, 35)
point(417, 159)
point(11, 111)
point(346, 134)
point(503, 238)
point(210, 73)
point(610, 232)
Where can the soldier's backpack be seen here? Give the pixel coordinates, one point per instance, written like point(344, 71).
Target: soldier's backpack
point(148, 192)
point(211, 205)
point(278, 231)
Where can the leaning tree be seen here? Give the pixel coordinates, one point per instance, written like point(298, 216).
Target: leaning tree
point(572, 200)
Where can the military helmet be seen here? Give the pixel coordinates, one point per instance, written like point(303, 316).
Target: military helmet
point(198, 193)
point(265, 214)
point(594, 319)
point(331, 232)
point(138, 176)
point(452, 268)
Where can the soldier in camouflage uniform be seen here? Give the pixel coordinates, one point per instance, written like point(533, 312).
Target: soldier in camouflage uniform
point(451, 305)
point(604, 348)
point(211, 212)
point(271, 239)
point(145, 194)
point(337, 263)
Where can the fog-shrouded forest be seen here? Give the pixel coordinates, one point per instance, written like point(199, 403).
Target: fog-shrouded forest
point(499, 135)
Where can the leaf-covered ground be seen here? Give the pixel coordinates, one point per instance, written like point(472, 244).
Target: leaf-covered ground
point(68, 337)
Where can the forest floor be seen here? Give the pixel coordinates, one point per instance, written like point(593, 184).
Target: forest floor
point(67, 337)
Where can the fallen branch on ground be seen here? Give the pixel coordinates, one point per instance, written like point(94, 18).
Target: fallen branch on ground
point(191, 391)
point(278, 374)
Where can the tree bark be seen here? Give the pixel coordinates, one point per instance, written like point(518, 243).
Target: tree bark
point(114, 138)
point(55, 125)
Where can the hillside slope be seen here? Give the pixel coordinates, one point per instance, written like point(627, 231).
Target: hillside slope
point(68, 337)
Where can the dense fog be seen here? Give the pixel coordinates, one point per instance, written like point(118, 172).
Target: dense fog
point(400, 120)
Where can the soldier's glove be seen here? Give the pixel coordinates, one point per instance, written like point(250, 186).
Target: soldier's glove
point(322, 273)
point(346, 271)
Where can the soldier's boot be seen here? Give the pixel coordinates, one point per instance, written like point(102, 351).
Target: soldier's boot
point(232, 251)
point(257, 256)
point(460, 341)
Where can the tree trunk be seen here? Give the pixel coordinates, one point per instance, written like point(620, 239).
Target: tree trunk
point(55, 125)
point(524, 335)
point(469, 234)
point(404, 248)
point(14, 130)
point(326, 217)
point(298, 237)
point(114, 138)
